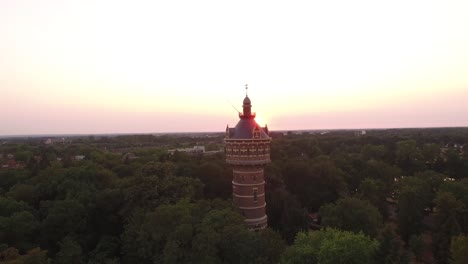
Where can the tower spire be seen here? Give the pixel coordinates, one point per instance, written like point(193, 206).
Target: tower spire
point(246, 90)
point(246, 106)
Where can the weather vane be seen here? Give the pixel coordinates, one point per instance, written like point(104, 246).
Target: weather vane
point(246, 88)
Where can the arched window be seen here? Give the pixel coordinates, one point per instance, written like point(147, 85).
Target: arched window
point(256, 132)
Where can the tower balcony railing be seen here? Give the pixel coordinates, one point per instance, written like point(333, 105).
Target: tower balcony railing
point(251, 115)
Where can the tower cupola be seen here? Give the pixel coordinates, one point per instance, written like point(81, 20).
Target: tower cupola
point(247, 107)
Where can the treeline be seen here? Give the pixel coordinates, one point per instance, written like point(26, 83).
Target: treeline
point(380, 198)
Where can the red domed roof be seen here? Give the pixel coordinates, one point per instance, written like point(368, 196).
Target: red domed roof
point(247, 128)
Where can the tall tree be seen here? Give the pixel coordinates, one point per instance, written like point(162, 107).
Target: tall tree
point(352, 214)
point(390, 250)
point(446, 224)
point(458, 249)
point(414, 197)
point(315, 183)
point(375, 192)
point(331, 246)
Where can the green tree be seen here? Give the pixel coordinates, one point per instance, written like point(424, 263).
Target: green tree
point(352, 214)
point(285, 213)
point(146, 235)
point(446, 224)
point(271, 246)
point(9, 206)
point(106, 251)
point(430, 152)
point(408, 156)
point(24, 156)
point(19, 230)
point(458, 188)
point(205, 232)
point(380, 170)
point(331, 246)
point(416, 244)
point(10, 177)
point(414, 197)
point(314, 183)
point(373, 152)
point(150, 191)
point(23, 192)
point(70, 252)
point(217, 182)
point(448, 206)
point(62, 218)
point(33, 256)
point(375, 192)
point(458, 249)
point(390, 250)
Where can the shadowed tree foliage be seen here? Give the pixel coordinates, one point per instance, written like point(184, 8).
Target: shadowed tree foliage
point(446, 224)
point(10, 177)
point(375, 191)
point(33, 256)
point(70, 252)
point(19, 230)
point(416, 245)
point(62, 218)
point(458, 249)
point(105, 208)
point(414, 197)
point(285, 213)
point(391, 247)
point(216, 180)
point(314, 183)
point(408, 156)
point(157, 185)
point(382, 171)
point(352, 214)
point(206, 232)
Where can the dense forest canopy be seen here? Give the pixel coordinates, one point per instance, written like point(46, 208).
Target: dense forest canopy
point(389, 196)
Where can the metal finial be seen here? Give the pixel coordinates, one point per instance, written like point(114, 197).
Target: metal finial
point(246, 88)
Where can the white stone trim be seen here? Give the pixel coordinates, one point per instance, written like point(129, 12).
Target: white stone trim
point(236, 171)
point(256, 220)
point(247, 196)
point(250, 184)
point(253, 208)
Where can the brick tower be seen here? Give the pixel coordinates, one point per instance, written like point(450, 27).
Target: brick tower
point(247, 152)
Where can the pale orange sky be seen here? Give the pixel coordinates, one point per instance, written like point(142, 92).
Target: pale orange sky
point(171, 66)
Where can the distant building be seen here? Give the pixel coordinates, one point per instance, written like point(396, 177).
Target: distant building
point(194, 150)
point(128, 156)
point(247, 152)
point(79, 157)
point(359, 133)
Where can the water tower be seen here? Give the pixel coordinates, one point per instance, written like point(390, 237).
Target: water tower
point(247, 152)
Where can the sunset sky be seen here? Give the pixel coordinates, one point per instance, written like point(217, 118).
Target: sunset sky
point(172, 66)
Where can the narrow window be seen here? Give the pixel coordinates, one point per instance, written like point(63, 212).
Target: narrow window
point(256, 134)
point(255, 194)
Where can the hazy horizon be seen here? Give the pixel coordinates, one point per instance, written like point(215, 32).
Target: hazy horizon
point(100, 67)
point(217, 132)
